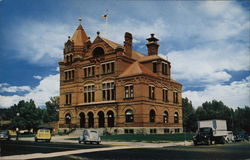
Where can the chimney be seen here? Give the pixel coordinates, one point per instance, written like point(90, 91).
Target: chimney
point(128, 44)
point(152, 45)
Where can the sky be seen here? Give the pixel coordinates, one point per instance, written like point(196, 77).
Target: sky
point(207, 43)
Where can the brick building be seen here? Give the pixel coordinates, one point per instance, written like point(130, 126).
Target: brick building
point(116, 89)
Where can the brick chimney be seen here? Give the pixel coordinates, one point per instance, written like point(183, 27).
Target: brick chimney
point(152, 45)
point(128, 44)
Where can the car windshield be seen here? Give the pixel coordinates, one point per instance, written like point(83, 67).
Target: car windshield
point(204, 130)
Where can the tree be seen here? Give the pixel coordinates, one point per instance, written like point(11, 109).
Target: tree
point(189, 118)
point(52, 108)
point(215, 110)
point(29, 116)
point(241, 119)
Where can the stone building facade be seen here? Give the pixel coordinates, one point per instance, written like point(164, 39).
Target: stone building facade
point(116, 89)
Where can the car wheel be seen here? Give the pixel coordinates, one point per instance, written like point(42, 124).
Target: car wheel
point(97, 142)
point(195, 143)
point(79, 142)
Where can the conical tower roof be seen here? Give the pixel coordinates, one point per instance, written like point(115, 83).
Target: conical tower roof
point(79, 37)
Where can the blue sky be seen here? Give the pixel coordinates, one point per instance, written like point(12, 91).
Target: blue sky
point(207, 43)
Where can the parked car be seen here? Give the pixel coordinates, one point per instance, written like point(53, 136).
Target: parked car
point(241, 136)
point(43, 134)
point(90, 136)
point(4, 135)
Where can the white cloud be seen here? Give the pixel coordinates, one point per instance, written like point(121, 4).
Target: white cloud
point(40, 42)
point(37, 77)
point(48, 87)
point(5, 87)
point(236, 94)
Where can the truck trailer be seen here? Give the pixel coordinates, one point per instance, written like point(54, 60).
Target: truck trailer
point(212, 131)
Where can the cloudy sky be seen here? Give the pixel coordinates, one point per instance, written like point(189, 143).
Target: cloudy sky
point(207, 42)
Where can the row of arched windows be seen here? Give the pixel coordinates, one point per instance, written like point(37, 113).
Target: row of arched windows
point(129, 117)
point(90, 119)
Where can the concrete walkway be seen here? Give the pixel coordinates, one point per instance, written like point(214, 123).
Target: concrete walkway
point(116, 146)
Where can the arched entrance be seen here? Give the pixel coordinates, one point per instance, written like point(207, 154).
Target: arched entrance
point(90, 120)
point(111, 119)
point(82, 120)
point(152, 116)
point(101, 119)
point(68, 118)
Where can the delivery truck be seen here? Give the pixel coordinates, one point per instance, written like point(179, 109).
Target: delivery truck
point(212, 131)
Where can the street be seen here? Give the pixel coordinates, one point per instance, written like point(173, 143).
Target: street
point(63, 150)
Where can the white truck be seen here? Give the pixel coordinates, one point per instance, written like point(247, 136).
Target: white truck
point(210, 131)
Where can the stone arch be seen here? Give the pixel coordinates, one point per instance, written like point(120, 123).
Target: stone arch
point(152, 115)
point(165, 116)
point(67, 118)
point(111, 118)
point(90, 119)
point(176, 117)
point(101, 119)
point(82, 120)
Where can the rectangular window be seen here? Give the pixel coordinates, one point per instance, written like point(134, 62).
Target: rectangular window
point(89, 93)
point(165, 95)
point(108, 91)
point(164, 68)
point(175, 97)
point(151, 90)
point(108, 68)
point(129, 91)
point(68, 99)
point(154, 67)
point(152, 131)
point(166, 131)
point(69, 75)
point(89, 71)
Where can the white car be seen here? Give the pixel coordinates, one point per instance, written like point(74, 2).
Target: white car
point(90, 136)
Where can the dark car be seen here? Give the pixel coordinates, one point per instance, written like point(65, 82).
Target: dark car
point(241, 136)
point(4, 135)
point(204, 135)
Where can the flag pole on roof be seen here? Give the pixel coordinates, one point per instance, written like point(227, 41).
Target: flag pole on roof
point(105, 16)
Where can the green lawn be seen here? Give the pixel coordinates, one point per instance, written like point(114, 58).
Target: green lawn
point(159, 138)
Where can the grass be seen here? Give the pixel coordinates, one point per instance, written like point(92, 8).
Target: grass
point(158, 138)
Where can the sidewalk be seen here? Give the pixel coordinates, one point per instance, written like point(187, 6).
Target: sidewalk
point(66, 138)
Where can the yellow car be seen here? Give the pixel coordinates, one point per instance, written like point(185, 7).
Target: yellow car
point(43, 134)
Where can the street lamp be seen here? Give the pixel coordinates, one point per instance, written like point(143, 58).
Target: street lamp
point(68, 118)
point(17, 129)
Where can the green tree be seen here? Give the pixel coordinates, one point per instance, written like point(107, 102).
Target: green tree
point(215, 110)
point(241, 119)
point(29, 116)
point(52, 107)
point(189, 117)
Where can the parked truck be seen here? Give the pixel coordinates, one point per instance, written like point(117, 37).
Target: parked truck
point(212, 131)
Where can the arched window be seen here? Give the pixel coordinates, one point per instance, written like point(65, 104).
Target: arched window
point(82, 120)
point(98, 52)
point(101, 119)
point(152, 116)
point(67, 118)
point(129, 115)
point(111, 119)
point(91, 120)
point(176, 117)
point(165, 117)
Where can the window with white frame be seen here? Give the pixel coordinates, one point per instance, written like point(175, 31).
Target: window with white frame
point(164, 69)
point(89, 71)
point(89, 93)
point(151, 91)
point(175, 96)
point(69, 74)
point(129, 91)
point(108, 91)
point(165, 95)
point(108, 67)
